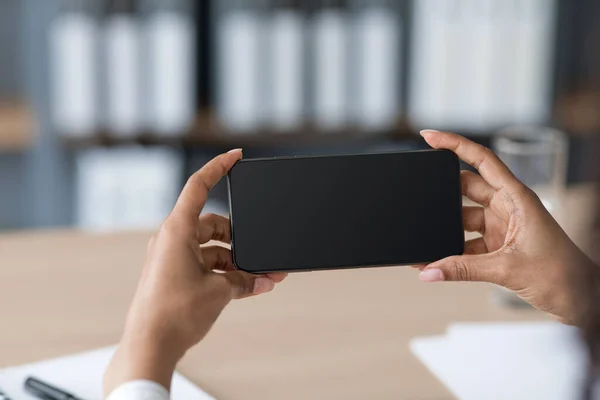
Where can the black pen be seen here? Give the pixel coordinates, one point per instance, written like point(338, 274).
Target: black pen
point(4, 396)
point(44, 391)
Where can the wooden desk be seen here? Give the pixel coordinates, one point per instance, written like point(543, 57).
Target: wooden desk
point(327, 335)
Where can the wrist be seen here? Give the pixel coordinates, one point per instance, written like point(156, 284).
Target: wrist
point(139, 357)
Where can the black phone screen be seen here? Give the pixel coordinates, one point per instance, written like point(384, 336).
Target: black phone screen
point(312, 213)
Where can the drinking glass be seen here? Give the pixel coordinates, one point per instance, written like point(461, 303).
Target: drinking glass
point(538, 157)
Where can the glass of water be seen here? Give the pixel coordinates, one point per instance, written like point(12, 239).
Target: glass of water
point(538, 158)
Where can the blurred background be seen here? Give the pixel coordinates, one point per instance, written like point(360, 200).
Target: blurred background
point(107, 106)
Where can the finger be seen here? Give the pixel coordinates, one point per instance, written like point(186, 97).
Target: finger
point(564, 321)
point(194, 194)
point(277, 277)
point(246, 285)
point(476, 246)
point(468, 268)
point(473, 219)
point(419, 266)
point(476, 189)
point(220, 258)
point(494, 171)
point(214, 227)
point(217, 257)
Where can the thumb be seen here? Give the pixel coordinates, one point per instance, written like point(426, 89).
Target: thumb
point(469, 268)
point(245, 285)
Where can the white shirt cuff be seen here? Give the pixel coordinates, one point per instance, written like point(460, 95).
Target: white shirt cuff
point(140, 390)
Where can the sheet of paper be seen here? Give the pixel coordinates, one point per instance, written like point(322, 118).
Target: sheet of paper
point(81, 375)
point(506, 361)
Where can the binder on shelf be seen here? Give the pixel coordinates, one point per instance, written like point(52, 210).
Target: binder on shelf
point(330, 29)
point(126, 188)
point(478, 65)
point(239, 64)
point(535, 53)
point(459, 63)
point(284, 83)
point(97, 190)
point(73, 40)
point(427, 64)
point(483, 99)
point(377, 43)
point(171, 57)
point(124, 67)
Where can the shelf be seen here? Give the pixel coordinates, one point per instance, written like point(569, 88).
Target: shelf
point(207, 134)
point(16, 127)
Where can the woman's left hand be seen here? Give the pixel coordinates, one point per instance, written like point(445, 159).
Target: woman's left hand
point(180, 295)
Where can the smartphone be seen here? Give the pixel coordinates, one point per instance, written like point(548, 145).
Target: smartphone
point(318, 213)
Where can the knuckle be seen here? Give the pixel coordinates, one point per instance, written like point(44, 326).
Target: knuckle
point(222, 166)
point(516, 193)
point(222, 258)
point(199, 179)
point(167, 227)
point(486, 154)
point(220, 233)
point(462, 272)
point(176, 225)
point(166, 230)
point(521, 190)
point(218, 227)
point(246, 284)
point(530, 194)
point(211, 217)
point(464, 181)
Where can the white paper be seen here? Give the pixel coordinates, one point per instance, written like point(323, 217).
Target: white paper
point(506, 361)
point(81, 375)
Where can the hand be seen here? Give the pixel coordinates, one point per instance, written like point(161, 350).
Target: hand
point(521, 248)
point(180, 296)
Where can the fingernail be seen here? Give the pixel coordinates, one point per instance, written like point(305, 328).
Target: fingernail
point(432, 275)
point(234, 151)
point(263, 285)
point(426, 132)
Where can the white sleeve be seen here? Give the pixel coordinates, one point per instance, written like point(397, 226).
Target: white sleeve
point(139, 390)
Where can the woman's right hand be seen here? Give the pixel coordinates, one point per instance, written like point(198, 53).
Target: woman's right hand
point(522, 248)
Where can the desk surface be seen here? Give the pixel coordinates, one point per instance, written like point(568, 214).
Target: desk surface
point(340, 334)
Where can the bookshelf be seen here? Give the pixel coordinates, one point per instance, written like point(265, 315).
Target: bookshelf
point(207, 133)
